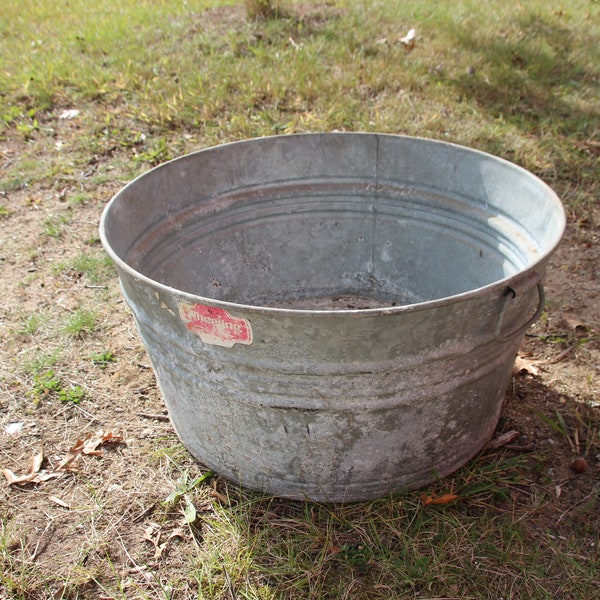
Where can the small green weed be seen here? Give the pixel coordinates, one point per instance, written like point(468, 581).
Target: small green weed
point(11, 114)
point(44, 384)
point(159, 153)
point(356, 555)
point(103, 359)
point(47, 384)
point(32, 324)
point(182, 492)
point(78, 199)
point(5, 212)
point(74, 394)
point(95, 267)
point(28, 128)
point(54, 226)
point(171, 451)
point(581, 433)
point(42, 361)
point(81, 323)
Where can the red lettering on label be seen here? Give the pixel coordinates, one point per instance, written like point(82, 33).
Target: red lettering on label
point(215, 325)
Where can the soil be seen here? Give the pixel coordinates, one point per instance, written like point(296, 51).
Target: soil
point(105, 507)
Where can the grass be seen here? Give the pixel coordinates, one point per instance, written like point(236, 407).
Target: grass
point(103, 359)
point(48, 385)
point(155, 79)
point(347, 72)
point(81, 323)
point(33, 323)
point(95, 268)
point(55, 226)
point(262, 547)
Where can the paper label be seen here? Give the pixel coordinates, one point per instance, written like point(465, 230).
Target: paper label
point(215, 325)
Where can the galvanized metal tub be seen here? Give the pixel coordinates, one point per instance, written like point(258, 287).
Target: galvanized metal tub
point(333, 316)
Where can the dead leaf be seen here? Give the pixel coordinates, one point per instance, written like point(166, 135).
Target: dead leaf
point(36, 462)
point(433, 499)
point(148, 533)
point(574, 323)
point(153, 534)
point(502, 440)
point(89, 445)
point(45, 476)
point(177, 533)
point(12, 478)
point(58, 501)
point(33, 475)
point(91, 442)
point(409, 40)
point(523, 364)
point(154, 538)
point(68, 462)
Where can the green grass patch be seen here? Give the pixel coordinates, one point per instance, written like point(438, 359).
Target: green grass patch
point(44, 384)
point(73, 393)
point(103, 359)
point(82, 322)
point(96, 268)
point(519, 81)
point(42, 361)
point(54, 226)
point(47, 384)
point(32, 324)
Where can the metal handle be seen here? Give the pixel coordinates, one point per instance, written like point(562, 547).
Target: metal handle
point(510, 294)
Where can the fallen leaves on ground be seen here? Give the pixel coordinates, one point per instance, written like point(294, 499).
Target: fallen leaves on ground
point(33, 475)
point(574, 323)
point(409, 40)
point(59, 501)
point(503, 440)
point(155, 535)
point(91, 442)
point(523, 364)
point(88, 445)
point(433, 499)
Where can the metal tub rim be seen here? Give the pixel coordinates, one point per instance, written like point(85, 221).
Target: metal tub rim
point(502, 285)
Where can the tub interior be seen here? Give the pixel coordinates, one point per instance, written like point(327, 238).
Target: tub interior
point(306, 248)
point(314, 240)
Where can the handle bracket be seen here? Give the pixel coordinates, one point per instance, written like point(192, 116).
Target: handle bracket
point(508, 296)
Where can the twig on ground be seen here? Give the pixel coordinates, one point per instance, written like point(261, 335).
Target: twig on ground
point(562, 355)
point(153, 416)
point(594, 491)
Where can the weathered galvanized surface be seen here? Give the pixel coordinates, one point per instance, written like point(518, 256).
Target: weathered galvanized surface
point(333, 316)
